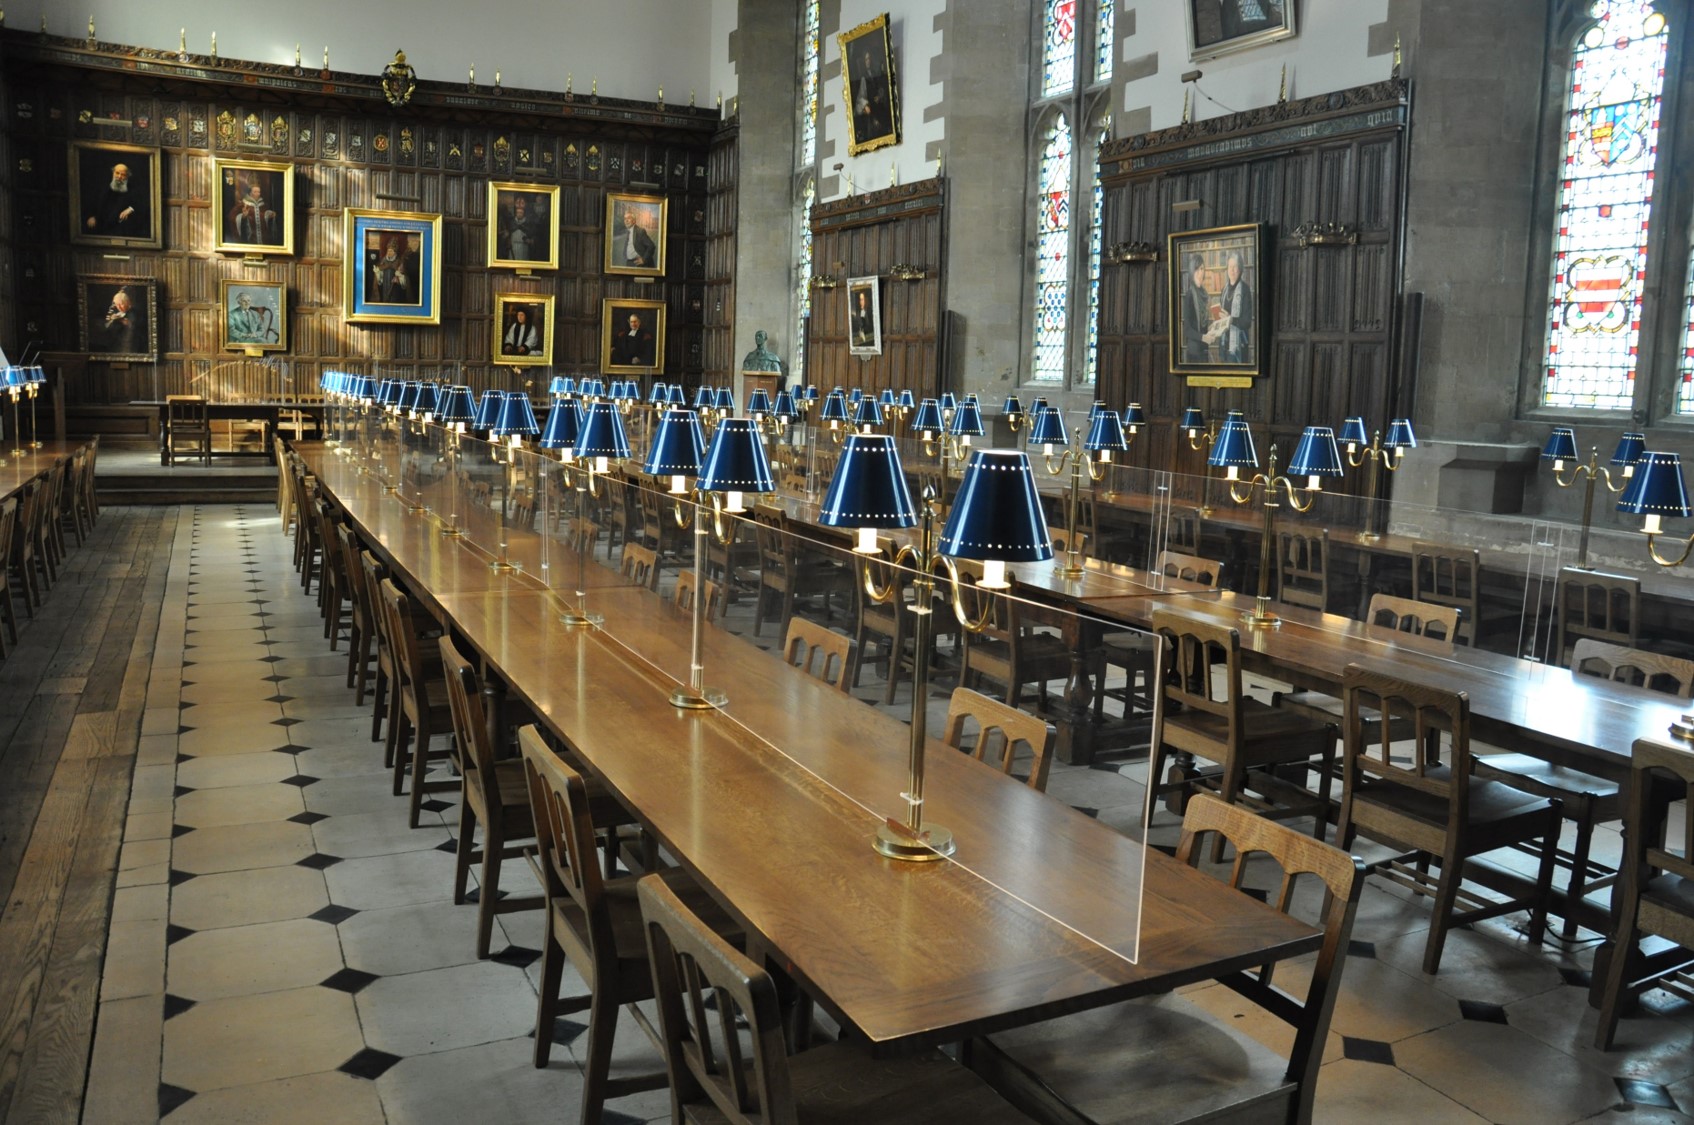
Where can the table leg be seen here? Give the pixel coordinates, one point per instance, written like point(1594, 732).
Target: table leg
point(1075, 741)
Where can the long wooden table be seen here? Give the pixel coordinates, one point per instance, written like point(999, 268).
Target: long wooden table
point(771, 803)
point(17, 471)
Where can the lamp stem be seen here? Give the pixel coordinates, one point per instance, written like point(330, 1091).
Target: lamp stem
point(580, 617)
point(1262, 615)
point(1373, 480)
point(34, 429)
point(1587, 516)
point(503, 563)
point(695, 696)
point(1073, 563)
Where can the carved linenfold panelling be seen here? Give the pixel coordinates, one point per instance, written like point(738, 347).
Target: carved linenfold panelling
point(1372, 287)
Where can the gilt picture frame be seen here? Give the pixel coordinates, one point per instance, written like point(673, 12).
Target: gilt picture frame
point(632, 336)
point(523, 329)
point(870, 86)
point(1217, 301)
point(115, 199)
point(253, 210)
point(254, 315)
point(635, 234)
point(118, 318)
point(523, 226)
point(1223, 27)
point(391, 267)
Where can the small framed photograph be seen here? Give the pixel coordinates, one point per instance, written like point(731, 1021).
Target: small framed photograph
point(119, 318)
point(255, 315)
point(868, 83)
point(523, 226)
point(525, 329)
point(1216, 300)
point(1222, 27)
point(864, 315)
point(635, 234)
point(115, 195)
point(632, 337)
point(255, 207)
point(391, 268)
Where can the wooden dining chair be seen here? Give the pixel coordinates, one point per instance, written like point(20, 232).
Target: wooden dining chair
point(1302, 569)
point(8, 610)
point(999, 732)
point(361, 639)
point(27, 565)
point(1133, 651)
point(422, 711)
point(821, 653)
point(1061, 541)
point(333, 594)
point(884, 626)
point(684, 594)
point(1586, 800)
point(1658, 880)
point(721, 1031)
point(1452, 576)
point(582, 535)
point(383, 685)
point(1083, 1068)
point(1434, 805)
point(1595, 606)
point(640, 564)
point(787, 572)
point(593, 923)
point(1405, 615)
point(492, 794)
point(188, 430)
point(1205, 712)
point(1010, 649)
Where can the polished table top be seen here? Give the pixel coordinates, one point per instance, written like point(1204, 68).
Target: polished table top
point(17, 470)
point(772, 804)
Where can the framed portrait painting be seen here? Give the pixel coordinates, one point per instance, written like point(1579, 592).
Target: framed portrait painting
point(869, 86)
point(255, 207)
point(391, 271)
point(255, 315)
point(115, 195)
point(523, 325)
point(1222, 27)
point(118, 318)
point(864, 316)
point(632, 337)
point(523, 226)
point(635, 234)
point(1217, 298)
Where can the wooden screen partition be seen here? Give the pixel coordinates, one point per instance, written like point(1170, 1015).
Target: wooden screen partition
point(722, 196)
point(1326, 176)
point(896, 235)
point(347, 149)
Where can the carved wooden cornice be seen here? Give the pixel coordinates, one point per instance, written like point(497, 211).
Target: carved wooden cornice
point(882, 205)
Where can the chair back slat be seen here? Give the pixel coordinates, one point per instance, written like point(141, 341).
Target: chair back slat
point(1671, 674)
point(470, 725)
point(1192, 681)
point(640, 565)
point(1302, 569)
point(1601, 607)
point(1001, 730)
point(821, 653)
point(1377, 708)
point(1403, 615)
point(1190, 568)
point(1445, 575)
point(558, 799)
point(685, 593)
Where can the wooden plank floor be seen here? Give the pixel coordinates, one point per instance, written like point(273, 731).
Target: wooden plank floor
point(72, 693)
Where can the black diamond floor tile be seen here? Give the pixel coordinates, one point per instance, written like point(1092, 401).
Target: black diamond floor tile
point(1086, 811)
point(172, 1097)
point(1356, 948)
point(565, 1032)
point(475, 895)
point(272, 659)
point(447, 845)
point(613, 1117)
point(285, 722)
point(279, 699)
point(182, 730)
point(182, 791)
point(1482, 1011)
point(300, 779)
point(348, 980)
point(308, 817)
point(183, 705)
point(275, 679)
point(1576, 978)
point(181, 830)
point(178, 878)
point(518, 956)
point(1639, 1091)
point(176, 1005)
point(1367, 1050)
point(433, 805)
point(318, 861)
point(181, 758)
point(175, 933)
point(333, 914)
point(369, 1063)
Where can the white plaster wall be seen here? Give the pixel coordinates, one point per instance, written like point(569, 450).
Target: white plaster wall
point(632, 46)
point(916, 41)
point(1328, 53)
point(723, 74)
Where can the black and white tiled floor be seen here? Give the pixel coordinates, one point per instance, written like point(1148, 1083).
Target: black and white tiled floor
point(285, 949)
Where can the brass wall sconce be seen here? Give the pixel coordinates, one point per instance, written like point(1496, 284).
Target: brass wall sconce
point(1123, 253)
point(1326, 234)
point(904, 272)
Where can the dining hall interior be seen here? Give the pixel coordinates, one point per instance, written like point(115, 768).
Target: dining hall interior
point(811, 560)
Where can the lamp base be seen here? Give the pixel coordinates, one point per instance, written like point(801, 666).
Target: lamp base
point(1205, 511)
point(577, 620)
point(1367, 537)
point(936, 843)
point(702, 700)
point(1261, 617)
point(390, 489)
point(412, 507)
point(501, 566)
point(453, 532)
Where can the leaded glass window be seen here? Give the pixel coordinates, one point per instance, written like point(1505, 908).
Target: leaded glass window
point(1052, 241)
point(1685, 356)
point(1096, 211)
point(803, 282)
point(1059, 43)
point(1605, 201)
point(1103, 40)
point(809, 87)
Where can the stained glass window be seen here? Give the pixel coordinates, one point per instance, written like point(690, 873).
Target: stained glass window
point(1058, 37)
point(1052, 244)
point(1096, 209)
point(1605, 198)
point(1685, 364)
point(809, 88)
point(803, 288)
point(1103, 22)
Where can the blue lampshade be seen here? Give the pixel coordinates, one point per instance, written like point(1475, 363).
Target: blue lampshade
point(1629, 450)
point(886, 398)
point(736, 462)
point(1105, 434)
point(456, 405)
point(835, 406)
point(854, 397)
point(14, 377)
point(1234, 446)
point(1400, 436)
point(869, 489)
point(868, 412)
point(1353, 432)
point(1134, 418)
point(1012, 407)
point(409, 395)
point(38, 374)
point(562, 385)
point(1657, 489)
point(1048, 428)
point(678, 446)
point(659, 395)
point(725, 400)
point(908, 401)
point(488, 410)
point(704, 397)
point(366, 388)
point(811, 392)
point(592, 388)
point(679, 397)
point(1561, 445)
point(785, 408)
point(928, 417)
point(564, 426)
point(428, 399)
point(997, 517)
point(1038, 405)
point(967, 420)
point(1096, 410)
point(1192, 419)
point(1316, 456)
point(758, 402)
point(517, 418)
point(623, 390)
point(396, 388)
point(948, 402)
point(602, 433)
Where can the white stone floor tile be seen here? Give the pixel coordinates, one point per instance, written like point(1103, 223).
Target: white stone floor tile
point(245, 960)
point(326, 1098)
point(246, 1039)
point(442, 1009)
point(243, 898)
